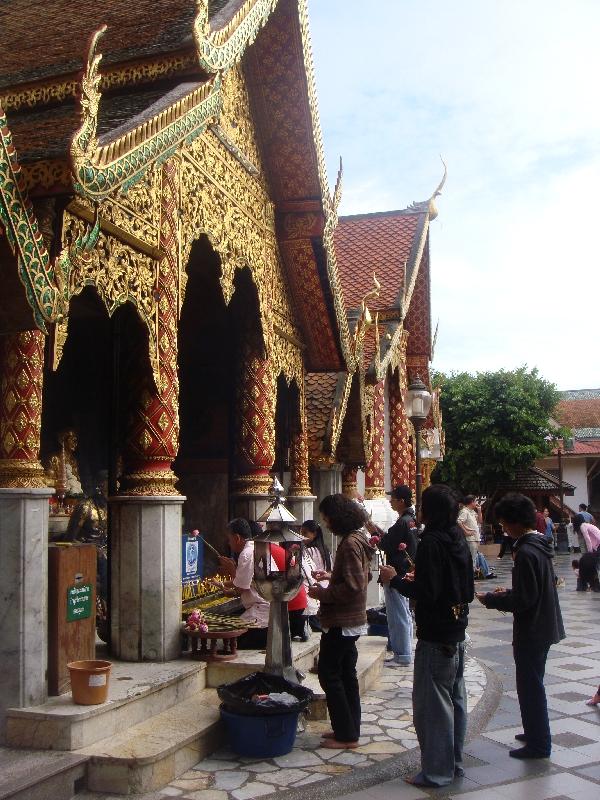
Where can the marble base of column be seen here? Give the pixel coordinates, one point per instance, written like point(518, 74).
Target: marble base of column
point(248, 505)
point(146, 577)
point(301, 506)
point(326, 479)
point(381, 512)
point(24, 598)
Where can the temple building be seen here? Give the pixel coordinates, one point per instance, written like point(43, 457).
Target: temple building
point(357, 422)
point(182, 313)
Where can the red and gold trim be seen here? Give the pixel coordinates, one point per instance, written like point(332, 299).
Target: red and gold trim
point(21, 409)
point(349, 480)
point(153, 436)
point(300, 486)
point(400, 441)
point(375, 472)
point(256, 397)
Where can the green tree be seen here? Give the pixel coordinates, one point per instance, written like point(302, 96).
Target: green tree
point(495, 422)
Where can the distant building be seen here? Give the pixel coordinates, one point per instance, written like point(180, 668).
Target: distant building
point(579, 410)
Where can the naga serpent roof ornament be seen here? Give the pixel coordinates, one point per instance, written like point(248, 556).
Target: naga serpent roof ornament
point(101, 168)
point(429, 205)
point(45, 281)
point(219, 50)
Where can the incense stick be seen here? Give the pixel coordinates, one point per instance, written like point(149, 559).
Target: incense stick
point(208, 544)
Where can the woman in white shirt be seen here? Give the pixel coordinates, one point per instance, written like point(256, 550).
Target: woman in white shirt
point(317, 558)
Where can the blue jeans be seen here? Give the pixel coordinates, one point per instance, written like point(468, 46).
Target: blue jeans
point(400, 627)
point(530, 666)
point(440, 709)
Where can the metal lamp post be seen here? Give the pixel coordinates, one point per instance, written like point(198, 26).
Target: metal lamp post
point(417, 404)
point(275, 586)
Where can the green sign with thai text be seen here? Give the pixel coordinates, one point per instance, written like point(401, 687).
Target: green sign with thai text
point(79, 602)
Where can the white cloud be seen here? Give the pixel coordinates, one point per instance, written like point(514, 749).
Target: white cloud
point(506, 91)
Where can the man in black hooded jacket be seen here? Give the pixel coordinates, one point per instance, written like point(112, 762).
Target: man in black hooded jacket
point(537, 621)
point(442, 588)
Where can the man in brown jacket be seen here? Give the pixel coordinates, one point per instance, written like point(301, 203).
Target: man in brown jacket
point(343, 617)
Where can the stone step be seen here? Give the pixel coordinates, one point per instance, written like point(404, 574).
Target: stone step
point(149, 755)
point(248, 661)
point(371, 655)
point(136, 693)
point(35, 775)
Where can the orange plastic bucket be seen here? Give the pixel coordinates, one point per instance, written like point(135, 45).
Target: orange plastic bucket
point(89, 681)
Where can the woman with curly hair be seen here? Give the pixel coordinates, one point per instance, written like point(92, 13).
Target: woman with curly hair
point(343, 618)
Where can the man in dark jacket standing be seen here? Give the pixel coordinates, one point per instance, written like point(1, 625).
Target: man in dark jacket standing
point(537, 621)
point(402, 532)
point(442, 587)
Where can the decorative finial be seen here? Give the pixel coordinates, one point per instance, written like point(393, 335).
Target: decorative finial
point(84, 141)
point(433, 212)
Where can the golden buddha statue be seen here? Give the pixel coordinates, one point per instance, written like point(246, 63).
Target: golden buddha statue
point(62, 469)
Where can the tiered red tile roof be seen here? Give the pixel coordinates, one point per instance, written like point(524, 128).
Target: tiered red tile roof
point(32, 48)
point(320, 395)
point(379, 243)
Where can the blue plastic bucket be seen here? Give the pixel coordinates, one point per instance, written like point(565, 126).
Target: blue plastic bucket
point(261, 737)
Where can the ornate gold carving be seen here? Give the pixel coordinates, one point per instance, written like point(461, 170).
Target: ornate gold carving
point(100, 169)
point(120, 274)
point(15, 474)
point(48, 174)
point(219, 50)
point(21, 408)
point(149, 482)
point(44, 280)
point(129, 74)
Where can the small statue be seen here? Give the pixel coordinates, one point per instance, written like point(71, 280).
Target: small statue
point(63, 470)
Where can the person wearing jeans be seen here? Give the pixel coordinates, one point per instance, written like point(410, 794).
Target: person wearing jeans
point(442, 588)
point(343, 618)
point(400, 626)
point(439, 694)
point(537, 620)
point(400, 547)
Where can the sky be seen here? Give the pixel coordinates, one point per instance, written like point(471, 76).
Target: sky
point(508, 93)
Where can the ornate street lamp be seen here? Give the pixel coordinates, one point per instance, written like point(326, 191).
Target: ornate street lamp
point(417, 405)
point(276, 586)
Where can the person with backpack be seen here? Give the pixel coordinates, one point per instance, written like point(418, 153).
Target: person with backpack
point(442, 588)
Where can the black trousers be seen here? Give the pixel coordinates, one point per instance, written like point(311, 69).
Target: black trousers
point(253, 639)
point(530, 666)
point(505, 545)
point(338, 679)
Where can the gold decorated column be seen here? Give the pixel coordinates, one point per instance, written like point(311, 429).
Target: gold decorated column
point(400, 442)
point(349, 480)
point(255, 417)
point(300, 485)
point(22, 364)
point(375, 471)
point(153, 432)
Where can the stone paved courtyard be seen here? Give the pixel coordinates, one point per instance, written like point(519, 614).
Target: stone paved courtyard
point(387, 731)
point(388, 749)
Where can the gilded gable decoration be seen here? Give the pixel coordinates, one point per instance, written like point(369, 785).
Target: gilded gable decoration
point(219, 50)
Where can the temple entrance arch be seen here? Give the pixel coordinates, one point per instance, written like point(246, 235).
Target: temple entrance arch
point(213, 339)
point(91, 391)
